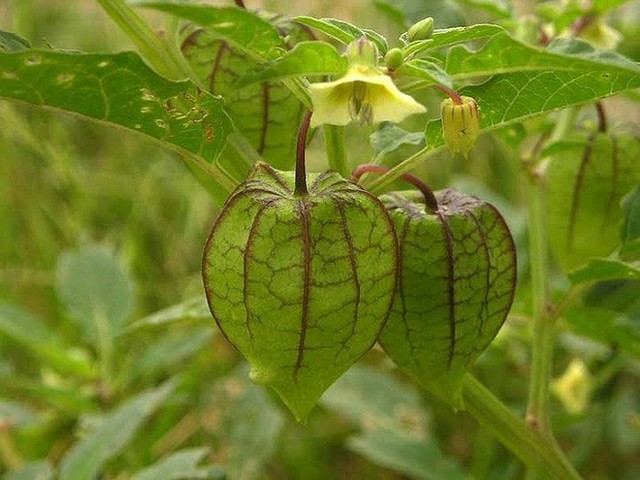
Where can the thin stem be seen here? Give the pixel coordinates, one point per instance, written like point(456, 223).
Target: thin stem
point(378, 185)
point(543, 337)
point(334, 144)
point(543, 325)
point(301, 172)
point(429, 198)
point(452, 94)
point(539, 455)
point(602, 117)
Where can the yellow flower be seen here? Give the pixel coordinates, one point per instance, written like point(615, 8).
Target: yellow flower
point(364, 94)
point(574, 387)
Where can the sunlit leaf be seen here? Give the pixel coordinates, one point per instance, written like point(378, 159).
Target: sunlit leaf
point(120, 90)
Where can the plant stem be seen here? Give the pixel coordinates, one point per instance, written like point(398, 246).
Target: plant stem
point(539, 455)
point(301, 171)
point(543, 325)
point(378, 185)
point(334, 144)
point(543, 338)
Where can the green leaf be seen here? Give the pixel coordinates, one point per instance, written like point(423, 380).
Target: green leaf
point(585, 184)
point(35, 470)
point(452, 36)
point(388, 137)
point(428, 71)
point(343, 31)
point(265, 113)
point(96, 291)
point(616, 330)
point(118, 89)
point(599, 7)
point(86, 457)
point(373, 399)
point(241, 29)
point(15, 415)
point(248, 425)
point(194, 310)
point(169, 351)
point(306, 58)
point(182, 464)
point(601, 269)
point(418, 459)
point(393, 421)
point(25, 329)
point(10, 42)
point(570, 74)
point(64, 397)
point(497, 8)
point(503, 54)
point(630, 233)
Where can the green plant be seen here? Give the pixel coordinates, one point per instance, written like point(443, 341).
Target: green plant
point(228, 88)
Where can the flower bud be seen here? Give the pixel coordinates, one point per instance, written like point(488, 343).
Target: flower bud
point(362, 52)
point(394, 59)
point(421, 30)
point(460, 124)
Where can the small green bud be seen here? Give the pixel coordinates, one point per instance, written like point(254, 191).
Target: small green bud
point(460, 124)
point(394, 58)
point(362, 52)
point(421, 30)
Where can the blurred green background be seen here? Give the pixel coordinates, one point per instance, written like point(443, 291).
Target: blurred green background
point(67, 185)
